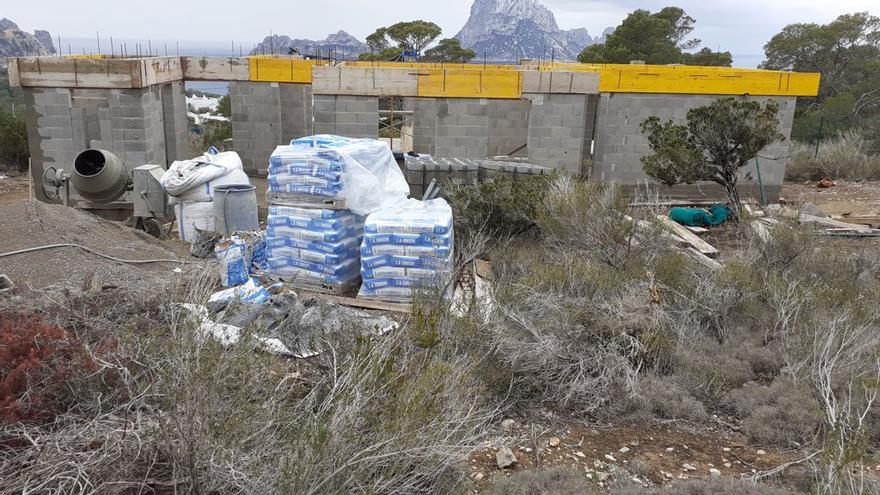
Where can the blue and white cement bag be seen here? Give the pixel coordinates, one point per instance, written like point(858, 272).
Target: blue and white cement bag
point(406, 248)
point(231, 256)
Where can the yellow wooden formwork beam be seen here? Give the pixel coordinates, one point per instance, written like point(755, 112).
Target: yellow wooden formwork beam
point(87, 56)
point(685, 79)
point(429, 65)
point(465, 83)
point(285, 70)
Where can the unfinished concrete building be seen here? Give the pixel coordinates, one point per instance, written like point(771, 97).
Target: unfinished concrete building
point(583, 118)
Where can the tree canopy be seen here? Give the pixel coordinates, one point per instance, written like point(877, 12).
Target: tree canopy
point(449, 50)
point(656, 38)
point(403, 37)
point(846, 52)
point(716, 142)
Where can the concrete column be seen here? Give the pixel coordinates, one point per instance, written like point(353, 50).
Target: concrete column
point(557, 132)
point(175, 122)
point(620, 143)
point(256, 122)
point(424, 124)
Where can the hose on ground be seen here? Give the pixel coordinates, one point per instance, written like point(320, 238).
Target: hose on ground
point(90, 250)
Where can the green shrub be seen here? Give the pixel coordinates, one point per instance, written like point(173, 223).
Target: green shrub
point(503, 206)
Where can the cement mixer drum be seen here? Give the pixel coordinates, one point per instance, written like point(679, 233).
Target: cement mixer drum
point(99, 176)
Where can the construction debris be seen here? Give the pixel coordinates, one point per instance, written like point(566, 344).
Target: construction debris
point(688, 237)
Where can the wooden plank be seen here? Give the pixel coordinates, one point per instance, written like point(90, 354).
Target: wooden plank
point(696, 230)
point(829, 222)
point(760, 229)
point(12, 70)
point(703, 259)
point(161, 70)
point(870, 220)
point(366, 303)
point(689, 237)
point(215, 68)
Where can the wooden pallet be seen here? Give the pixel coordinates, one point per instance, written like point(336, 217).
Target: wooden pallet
point(304, 201)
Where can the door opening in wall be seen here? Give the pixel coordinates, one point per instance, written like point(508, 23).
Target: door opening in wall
point(208, 113)
point(396, 123)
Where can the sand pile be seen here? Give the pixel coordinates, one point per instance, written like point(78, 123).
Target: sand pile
point(26, 224)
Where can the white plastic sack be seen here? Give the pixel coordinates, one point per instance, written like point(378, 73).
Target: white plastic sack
point(184, 175)
point(205, 192)
point(192, 216)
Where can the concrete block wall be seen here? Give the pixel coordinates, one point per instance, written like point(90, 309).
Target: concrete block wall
point(508, 127)
point(462, 129)
point(131, 125)
point(558, 132)
point(620, 143)
point(265, 115)
point(61, 122)
point(50, 120)
point(346, 115)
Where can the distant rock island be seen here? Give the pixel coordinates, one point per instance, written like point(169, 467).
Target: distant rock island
point(499, 30)
point(341, 43)
point(510, 30)
point(16, 43)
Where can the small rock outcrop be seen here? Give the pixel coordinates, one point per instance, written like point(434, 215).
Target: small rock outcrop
point(16, 43)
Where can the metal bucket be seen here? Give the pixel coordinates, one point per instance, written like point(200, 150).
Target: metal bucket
point(235, 208)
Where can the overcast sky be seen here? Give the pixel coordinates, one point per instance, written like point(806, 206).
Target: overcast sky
point(741, 26)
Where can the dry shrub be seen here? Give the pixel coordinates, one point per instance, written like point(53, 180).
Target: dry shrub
point(595, 219)
point(711, 486)
point(552, 481)
point(709, 371)
point(38, 365)
point(668, 400)
point(783, 414)
point(368, 415)
point(846, 156)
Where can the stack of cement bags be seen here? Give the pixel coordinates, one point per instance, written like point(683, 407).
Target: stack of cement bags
point(313, 247)
point(190, 185)
point(319, 189)
point(407, 248)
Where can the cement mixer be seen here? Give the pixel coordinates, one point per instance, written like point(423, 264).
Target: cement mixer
point(108, 189)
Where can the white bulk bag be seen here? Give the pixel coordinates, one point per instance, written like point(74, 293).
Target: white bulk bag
point(184, 175)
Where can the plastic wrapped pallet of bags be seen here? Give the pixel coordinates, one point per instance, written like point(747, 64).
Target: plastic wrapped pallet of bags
point(362, 172)
point(405, 249)
point(314, 249)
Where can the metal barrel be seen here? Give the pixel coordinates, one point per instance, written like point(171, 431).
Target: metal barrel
point(235, 208)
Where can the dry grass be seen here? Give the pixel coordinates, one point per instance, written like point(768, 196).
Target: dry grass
point(846, 156)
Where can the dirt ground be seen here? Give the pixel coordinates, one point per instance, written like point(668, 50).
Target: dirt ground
point(27, 224)
point(845, 198)
point(13, 189)
point(646, 454)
